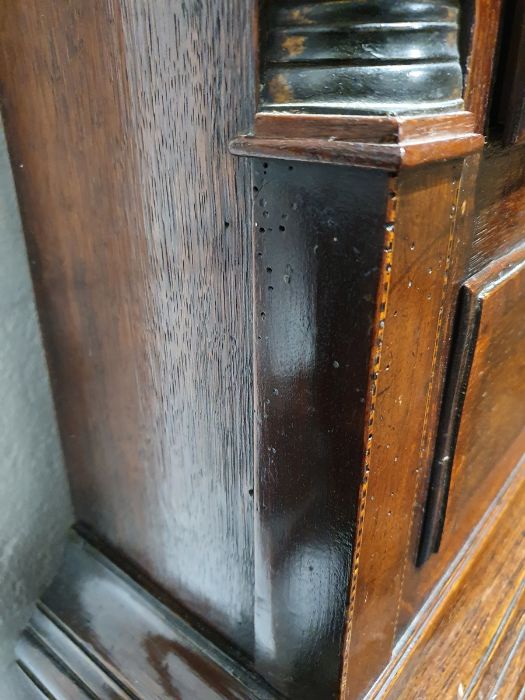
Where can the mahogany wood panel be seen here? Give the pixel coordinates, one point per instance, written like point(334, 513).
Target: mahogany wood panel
point(318, 250)
point(118, 116)
point(136, 218)
point(470, 641)
point(484, 398)
point(493, 414)
point(363, 129)
point(499, 225)
point(430, 226)
point(500, 205)
point(114, 640)
point(389, 157)
point(482, 22)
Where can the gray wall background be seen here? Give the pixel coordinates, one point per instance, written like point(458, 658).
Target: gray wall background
point(35, 509)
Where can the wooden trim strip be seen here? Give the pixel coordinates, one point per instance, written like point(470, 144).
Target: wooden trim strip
point(383, 156)
point(375, 367)
point(362, 129)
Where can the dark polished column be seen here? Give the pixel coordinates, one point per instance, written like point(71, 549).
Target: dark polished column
point(374, 57)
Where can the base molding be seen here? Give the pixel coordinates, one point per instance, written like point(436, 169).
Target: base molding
point(97, 634)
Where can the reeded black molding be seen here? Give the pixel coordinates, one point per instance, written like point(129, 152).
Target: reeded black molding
point(98, 634)
point(372, 57)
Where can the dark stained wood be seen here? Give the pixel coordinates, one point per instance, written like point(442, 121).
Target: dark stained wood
point(460, 364)
point(115, 641)
point(49, 675)
point(139, 227)
point(50, 665)
point(118, 116)
point(481, 54)
point(484, 403)
point(359, 129)
point(512, 64)
point(318, 250)
point(470, 632)
point(373, 57)
point(500, 205)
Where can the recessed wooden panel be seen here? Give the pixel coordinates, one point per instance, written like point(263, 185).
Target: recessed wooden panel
point(494, 409)
point(484, 406)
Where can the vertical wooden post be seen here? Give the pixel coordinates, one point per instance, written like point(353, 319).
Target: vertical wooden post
point(359, 170)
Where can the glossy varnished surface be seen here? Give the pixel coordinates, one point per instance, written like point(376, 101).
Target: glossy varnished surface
point(499, 224)
point(480, 29)
point(500, 204)
point(430, 222)
point(318, 246)
point(374, 57)
point(118, 116)
point(470, 642)
point(493, 412)
point(137, 219)
point(47, 655)
point(115, 641)
point(483, 410)
point(511, 112)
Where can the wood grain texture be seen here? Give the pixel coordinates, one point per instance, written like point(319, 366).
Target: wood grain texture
point(382, 156)
point(483, 408)
point(481, 53)
point(430, 243)
point(498, 228)
point(493, 415)
point(318, 243)
point(469, 643)
point(500, 205)
point(97, 630)
point(118, 116)
point(362, 128)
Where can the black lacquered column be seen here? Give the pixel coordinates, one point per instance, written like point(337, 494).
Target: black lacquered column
point(374, 57)
point(318, 247)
